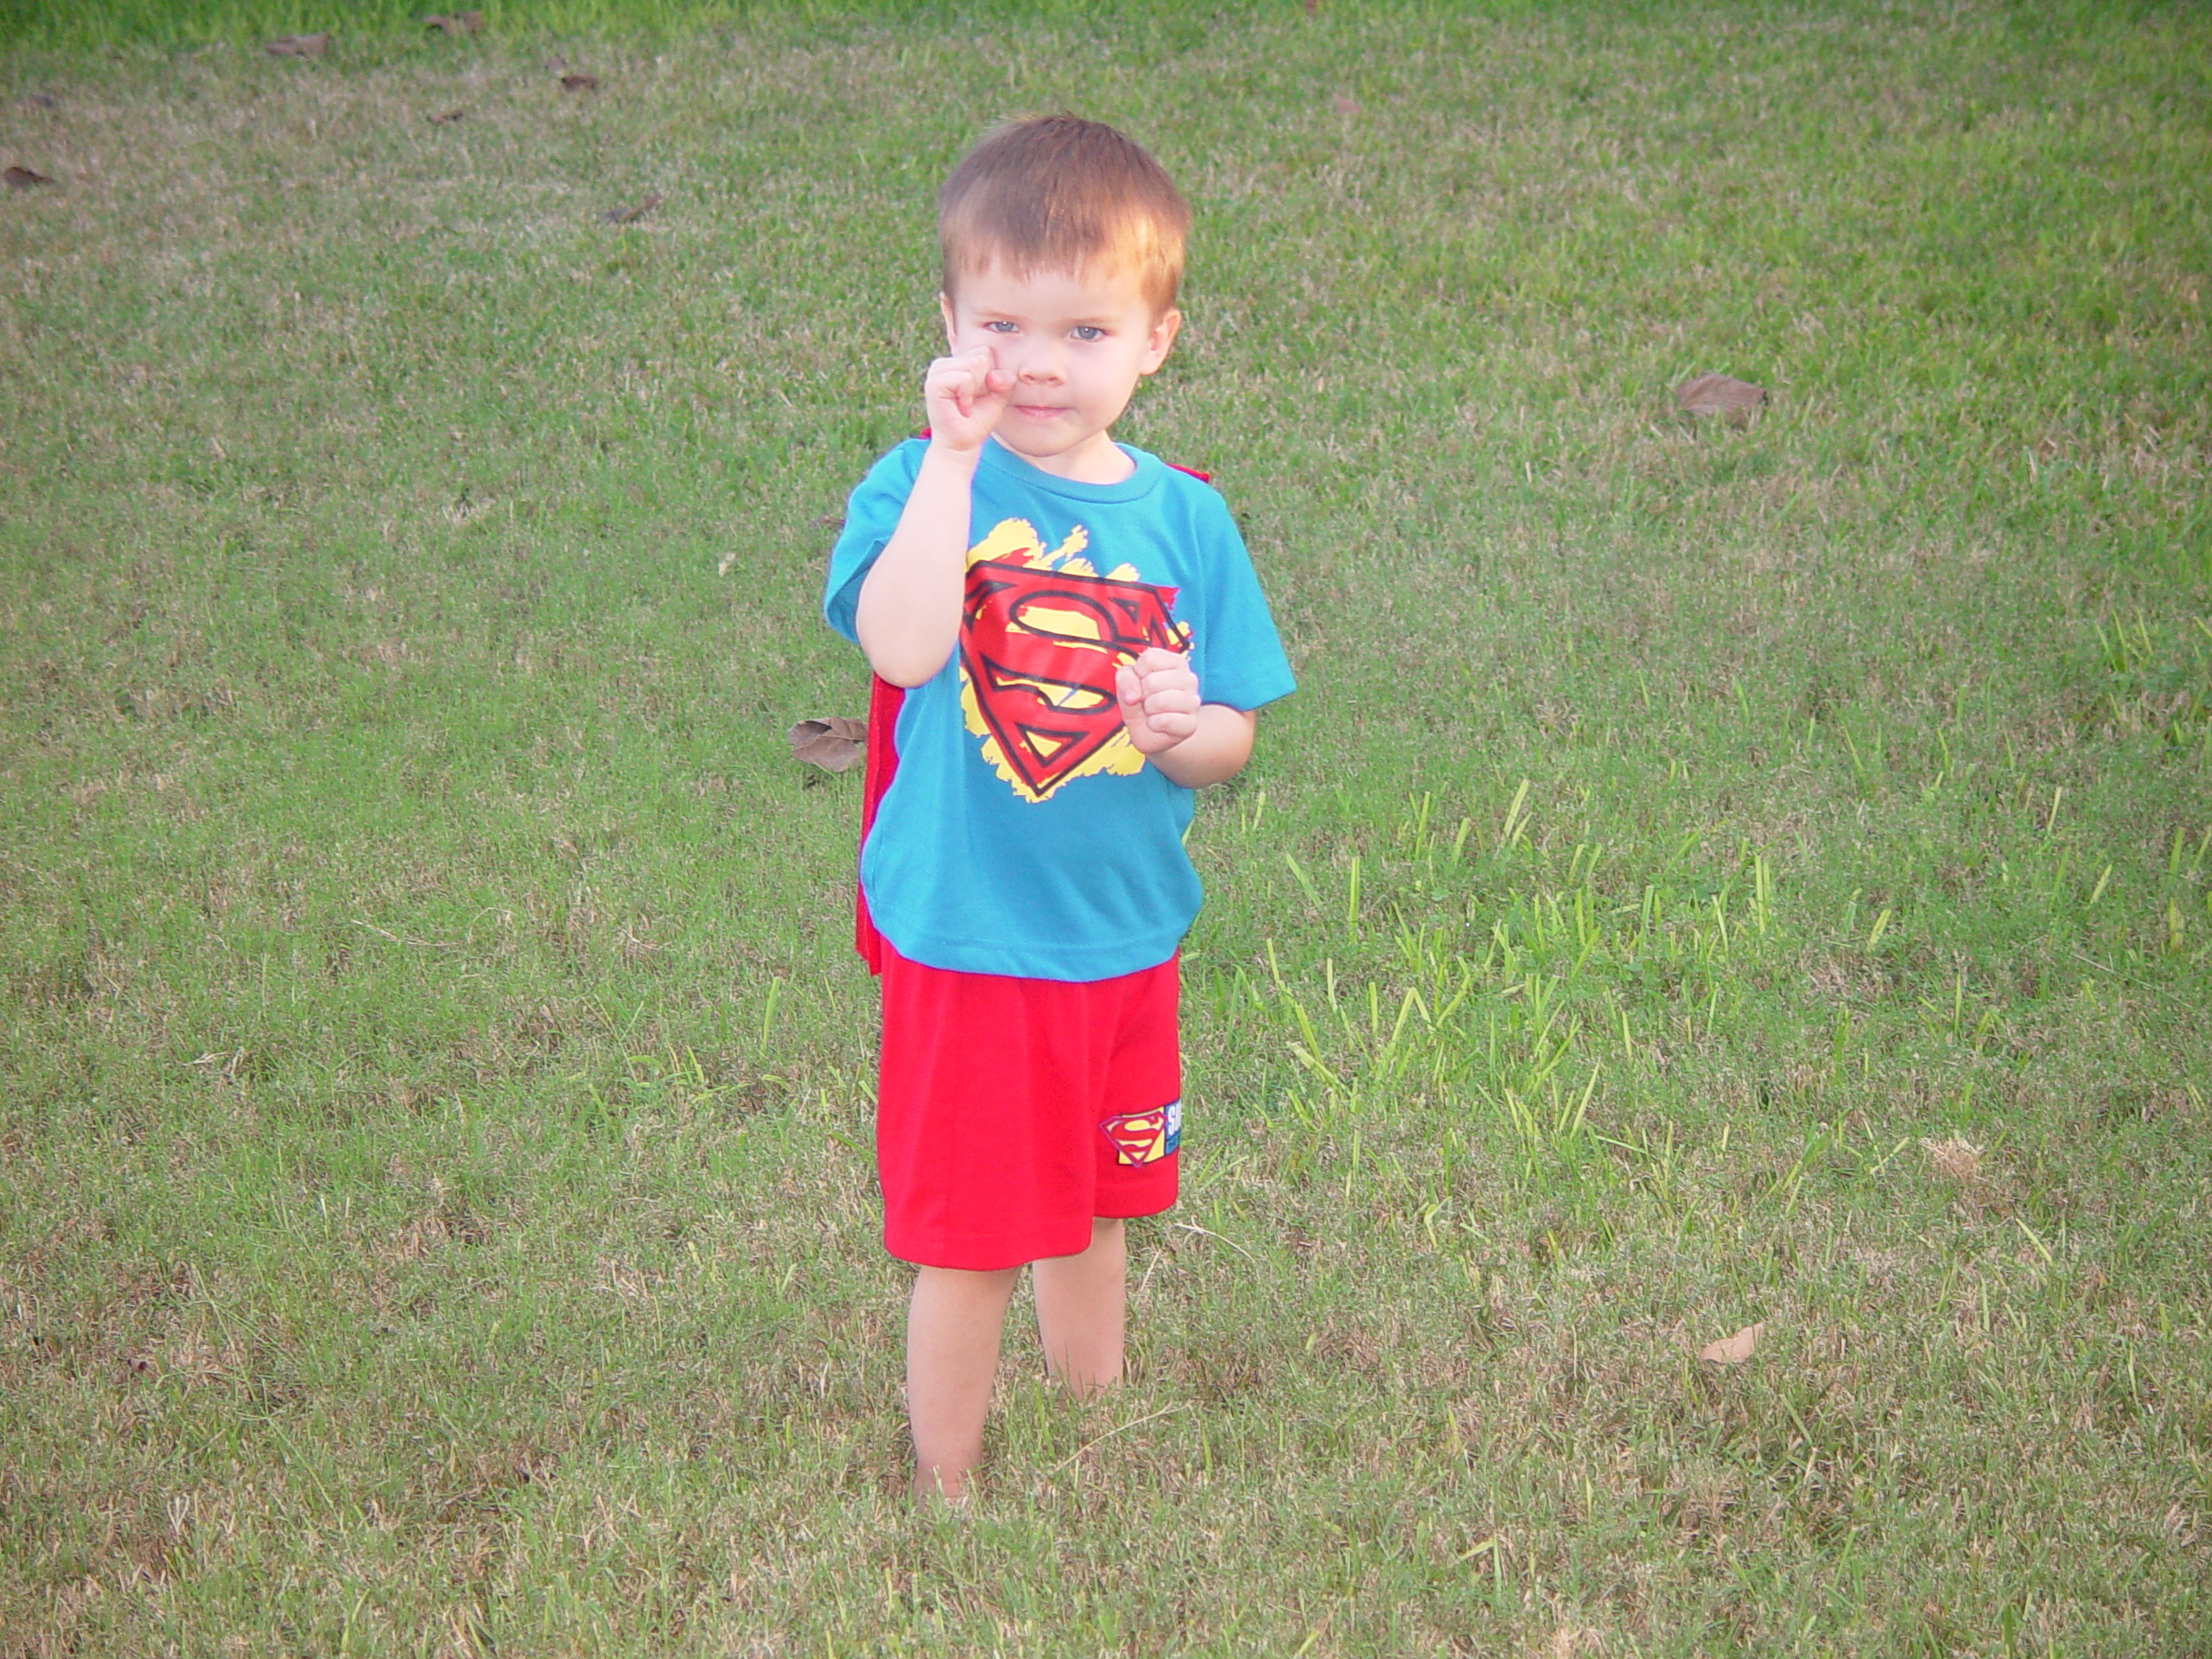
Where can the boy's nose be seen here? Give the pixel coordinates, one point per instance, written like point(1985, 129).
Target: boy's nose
point(1040, 365)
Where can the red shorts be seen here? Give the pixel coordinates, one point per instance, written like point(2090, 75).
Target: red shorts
point(1009, 1112)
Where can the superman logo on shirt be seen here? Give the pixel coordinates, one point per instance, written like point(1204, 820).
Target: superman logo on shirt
point(1040, 637)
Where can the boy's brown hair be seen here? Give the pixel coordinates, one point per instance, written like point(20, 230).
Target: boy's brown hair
point(1056, 193)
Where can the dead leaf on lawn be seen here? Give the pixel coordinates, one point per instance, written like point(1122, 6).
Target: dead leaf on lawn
point(298, 46)
point(22, 178)
point(580, 83)
point(460, 23)
point(1346, 106)
point(837, 744)
point(1734, 1351)
point(631, 215)
point(1956, 1159)
point(448, 119)
point(44, 100)
point(1734, 401)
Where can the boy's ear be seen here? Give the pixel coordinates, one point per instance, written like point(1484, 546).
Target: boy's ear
point(944, 310)
point(1165, 327)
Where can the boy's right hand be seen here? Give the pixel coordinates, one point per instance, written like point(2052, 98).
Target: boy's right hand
point(964, 396)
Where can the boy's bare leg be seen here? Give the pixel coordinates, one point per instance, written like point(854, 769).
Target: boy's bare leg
point(1080, 1301)
point(952, 1354)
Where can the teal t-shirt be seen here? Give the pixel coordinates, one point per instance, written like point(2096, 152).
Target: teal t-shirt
point(1023, 833)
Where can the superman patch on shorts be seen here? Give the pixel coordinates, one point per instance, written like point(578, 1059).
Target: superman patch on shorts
point(1140, 1138)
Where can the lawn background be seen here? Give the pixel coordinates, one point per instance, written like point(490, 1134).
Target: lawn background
point(1707, 876)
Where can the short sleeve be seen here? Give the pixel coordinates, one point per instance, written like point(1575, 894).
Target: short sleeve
point(871, 514)
point(1239, 656)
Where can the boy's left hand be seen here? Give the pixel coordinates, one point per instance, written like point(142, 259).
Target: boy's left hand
point(1159, 696)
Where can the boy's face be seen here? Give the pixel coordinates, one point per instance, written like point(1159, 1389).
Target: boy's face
point(1077, 344)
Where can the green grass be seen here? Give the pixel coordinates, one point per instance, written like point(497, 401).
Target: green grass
point(380, 30)
point(1707, 876)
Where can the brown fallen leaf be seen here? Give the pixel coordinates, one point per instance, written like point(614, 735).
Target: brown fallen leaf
point(631, 215)
point(449, 118)
point(1734, 401)
point(44, 100)
point(580, 83)
point(299, 46)
point(1346, 106)
point(22, 178)
point(1734, 1351)
point(461, 23)
point(837, 744)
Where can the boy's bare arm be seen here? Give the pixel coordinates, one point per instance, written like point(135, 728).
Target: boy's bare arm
point(1193, 743)
point(909, 613)
point(1216, 752)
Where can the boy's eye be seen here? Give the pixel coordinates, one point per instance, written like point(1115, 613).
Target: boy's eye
point(1087, 331)
point(998, 326)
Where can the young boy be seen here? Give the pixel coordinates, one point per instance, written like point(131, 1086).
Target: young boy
point(1067, 639)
